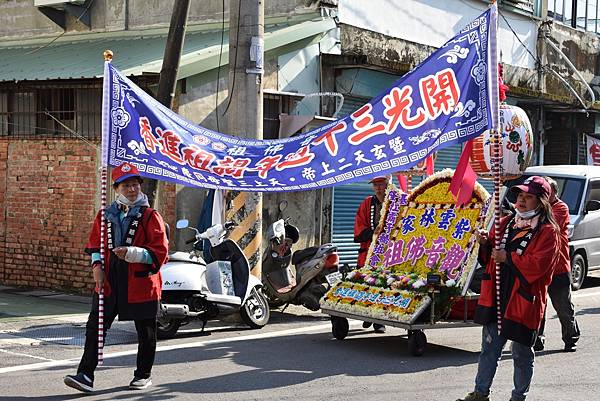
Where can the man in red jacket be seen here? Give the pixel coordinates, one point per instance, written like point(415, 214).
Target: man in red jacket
point(560, 287)
point(365, 223)
point(135, 247)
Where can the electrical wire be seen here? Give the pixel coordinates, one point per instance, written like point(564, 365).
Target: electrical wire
point(65, 31)
point(48, 130)
point(537, 60)
point(237, 44)
point(219, 66)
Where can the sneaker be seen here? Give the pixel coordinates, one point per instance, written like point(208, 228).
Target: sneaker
point(570, 347)
point(475, 396)
point(366, 325)
point(80, 382)
point(539, 344)
point(379, 328)
point(139, 383)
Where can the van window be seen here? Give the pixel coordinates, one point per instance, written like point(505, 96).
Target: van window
point(570, 190)
point(594, 192)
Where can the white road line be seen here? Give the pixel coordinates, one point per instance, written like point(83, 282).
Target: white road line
point(577, 295)
point(74, 361)
point(27, 355)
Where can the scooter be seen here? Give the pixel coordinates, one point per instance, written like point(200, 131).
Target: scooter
point(304, 281)
point(193, 289)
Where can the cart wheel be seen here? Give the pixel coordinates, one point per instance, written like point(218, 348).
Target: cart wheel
point(417, 341)
point(339, 327)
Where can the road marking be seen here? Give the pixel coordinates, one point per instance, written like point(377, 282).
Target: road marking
point(27, 355)
point(74, 361)
point(581, 295)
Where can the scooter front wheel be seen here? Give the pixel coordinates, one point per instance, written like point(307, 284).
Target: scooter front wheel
point(255, 311)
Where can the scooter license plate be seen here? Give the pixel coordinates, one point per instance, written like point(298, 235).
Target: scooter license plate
point(333, 278)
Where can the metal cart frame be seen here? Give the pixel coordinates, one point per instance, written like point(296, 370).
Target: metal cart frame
point(417, 340)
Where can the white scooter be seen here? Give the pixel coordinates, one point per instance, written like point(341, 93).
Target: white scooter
point(194, 290)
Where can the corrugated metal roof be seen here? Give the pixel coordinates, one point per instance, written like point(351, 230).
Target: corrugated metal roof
point(137, 55)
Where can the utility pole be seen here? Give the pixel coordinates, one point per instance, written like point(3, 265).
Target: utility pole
point(167, 83)
point(245, 115)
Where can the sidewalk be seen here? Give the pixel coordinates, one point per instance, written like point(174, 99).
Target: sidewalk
point(18, 304)
point(34, 316)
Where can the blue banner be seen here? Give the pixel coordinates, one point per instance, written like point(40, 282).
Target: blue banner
point(443, 101)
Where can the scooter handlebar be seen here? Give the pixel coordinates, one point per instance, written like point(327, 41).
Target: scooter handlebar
point(191, 241)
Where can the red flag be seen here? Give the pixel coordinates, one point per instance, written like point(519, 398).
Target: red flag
point(429, 164)
point(403, 182)
point(463, 181)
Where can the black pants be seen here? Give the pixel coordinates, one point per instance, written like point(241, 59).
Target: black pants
point(559, 292)
point(146, 331)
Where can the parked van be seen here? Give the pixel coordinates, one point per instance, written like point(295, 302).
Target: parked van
point(579, 188)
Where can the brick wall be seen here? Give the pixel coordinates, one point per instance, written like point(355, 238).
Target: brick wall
point(48, 198)
point(3, 163)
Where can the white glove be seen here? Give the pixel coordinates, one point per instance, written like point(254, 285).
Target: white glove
point(135, 254)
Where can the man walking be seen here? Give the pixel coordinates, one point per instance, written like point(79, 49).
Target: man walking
point(560, 287)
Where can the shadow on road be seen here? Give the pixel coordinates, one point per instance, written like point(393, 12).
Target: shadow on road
point(279, 362)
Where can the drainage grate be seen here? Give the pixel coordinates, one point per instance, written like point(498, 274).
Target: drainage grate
point(74, 335)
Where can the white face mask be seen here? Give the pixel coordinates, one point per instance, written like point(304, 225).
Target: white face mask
point(527, 215)
point(123, 200)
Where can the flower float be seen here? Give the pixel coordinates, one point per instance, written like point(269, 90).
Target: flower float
point(420, 236)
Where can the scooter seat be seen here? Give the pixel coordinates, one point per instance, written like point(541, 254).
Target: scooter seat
point(304, 254)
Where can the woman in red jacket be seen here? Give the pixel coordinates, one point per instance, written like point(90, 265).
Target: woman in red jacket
point(135, 247)
point(529, 240)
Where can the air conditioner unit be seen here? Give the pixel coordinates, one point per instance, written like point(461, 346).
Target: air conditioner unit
point(56, 3)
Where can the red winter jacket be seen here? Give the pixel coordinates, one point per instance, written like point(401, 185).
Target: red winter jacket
point(525, 286)
point(365, 223)
point(144, 282)
point(560, 210)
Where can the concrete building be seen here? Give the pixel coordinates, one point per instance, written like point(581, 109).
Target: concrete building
point(50, 128)
point(50, 96)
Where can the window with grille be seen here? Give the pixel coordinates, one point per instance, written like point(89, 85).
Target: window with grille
point(582, 14)
point(50, 111)
point(528, 6)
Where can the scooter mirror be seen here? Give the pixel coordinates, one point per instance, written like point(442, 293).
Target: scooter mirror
point(183, 223)
point(283, 205)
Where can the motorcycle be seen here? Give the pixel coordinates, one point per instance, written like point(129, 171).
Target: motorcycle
point(306, 279)
point(193, 289)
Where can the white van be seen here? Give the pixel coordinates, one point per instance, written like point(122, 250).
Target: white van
point(579, 188)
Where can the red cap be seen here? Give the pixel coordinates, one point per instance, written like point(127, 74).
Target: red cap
point(379, 178)
point(123, 172)
point(534, 185)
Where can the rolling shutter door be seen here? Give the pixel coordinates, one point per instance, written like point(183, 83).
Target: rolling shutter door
point(351, 104)
point(346, 199)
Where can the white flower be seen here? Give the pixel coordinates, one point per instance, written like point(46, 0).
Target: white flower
point(418, 284)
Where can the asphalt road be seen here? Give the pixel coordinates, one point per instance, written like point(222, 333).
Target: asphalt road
point(294, 357)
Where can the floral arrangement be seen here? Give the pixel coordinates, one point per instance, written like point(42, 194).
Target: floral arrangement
point(368, 301)
point(419, 235)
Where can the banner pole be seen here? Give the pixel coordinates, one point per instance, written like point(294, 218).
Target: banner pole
point(108, 55)
point(497, 143)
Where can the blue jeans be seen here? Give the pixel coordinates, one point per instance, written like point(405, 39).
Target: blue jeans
point(491, 351)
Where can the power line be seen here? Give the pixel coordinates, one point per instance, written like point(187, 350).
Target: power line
point(219, 65)
point(65, 31)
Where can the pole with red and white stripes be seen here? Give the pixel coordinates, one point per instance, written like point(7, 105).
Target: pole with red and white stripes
point(496, 138)
point(108, 55)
